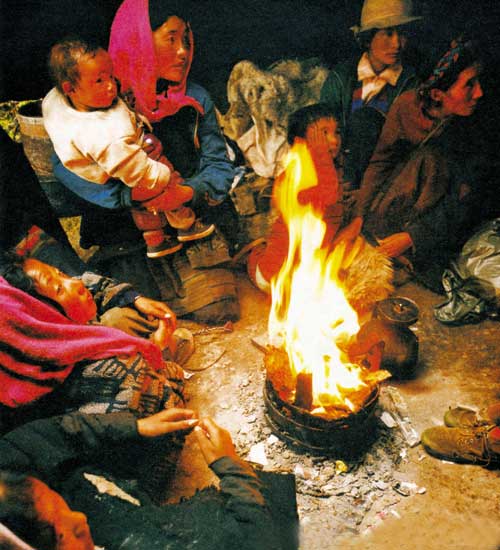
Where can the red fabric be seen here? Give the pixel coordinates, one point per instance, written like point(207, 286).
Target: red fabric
point(39, 346)
point(132, 51)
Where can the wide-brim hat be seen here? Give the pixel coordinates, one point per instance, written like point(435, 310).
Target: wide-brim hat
point(381, 14)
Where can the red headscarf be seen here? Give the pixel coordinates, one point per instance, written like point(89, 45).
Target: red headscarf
point(132, 50)
point(39, 346)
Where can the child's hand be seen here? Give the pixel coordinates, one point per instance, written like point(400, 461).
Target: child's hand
point(162, 336)
point(152, 146)
point(156, 309)
point(170, 420)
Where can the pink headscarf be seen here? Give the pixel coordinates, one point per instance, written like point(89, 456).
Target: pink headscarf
point(132, 51)
point(39, 346)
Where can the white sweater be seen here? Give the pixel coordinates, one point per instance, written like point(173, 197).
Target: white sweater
point(102, 144)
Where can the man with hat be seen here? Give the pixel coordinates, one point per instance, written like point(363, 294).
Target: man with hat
point(360, 91)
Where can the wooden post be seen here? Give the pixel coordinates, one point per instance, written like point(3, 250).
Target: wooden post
point(303, 391)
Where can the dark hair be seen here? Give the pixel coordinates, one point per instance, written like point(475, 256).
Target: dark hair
point(448, 68)
point(18, 513)
point(364, 39)
point(11, 269)
point(65, 56)
point(301, 119)
point(160, 11)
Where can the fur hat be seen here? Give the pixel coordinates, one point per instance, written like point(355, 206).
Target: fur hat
point(381, 14)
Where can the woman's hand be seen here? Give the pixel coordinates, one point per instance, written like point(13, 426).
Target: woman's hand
point(164, 422)
point(214, 441)
point(396, 244)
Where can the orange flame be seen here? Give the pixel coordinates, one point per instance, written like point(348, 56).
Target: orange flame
point(310, 316)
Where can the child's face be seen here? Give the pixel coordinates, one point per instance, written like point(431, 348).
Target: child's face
point(324, 133)
point(71, 294)
point(96, 88)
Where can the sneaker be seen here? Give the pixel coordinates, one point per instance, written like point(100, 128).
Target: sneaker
point(463, 445)
point(169, 245)
point(461, 417)
point(198, 230)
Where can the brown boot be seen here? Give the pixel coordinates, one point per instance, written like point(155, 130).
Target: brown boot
point(463, 445)
point(461, 417)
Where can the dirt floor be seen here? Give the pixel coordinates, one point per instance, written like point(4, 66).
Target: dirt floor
point(395, 496)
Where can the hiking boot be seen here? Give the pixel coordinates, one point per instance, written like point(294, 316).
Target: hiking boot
point(461, 417)
point(463, 445)
point(169, 245)
point(198, 230)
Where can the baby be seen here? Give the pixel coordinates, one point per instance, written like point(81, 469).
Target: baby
point(100, 139)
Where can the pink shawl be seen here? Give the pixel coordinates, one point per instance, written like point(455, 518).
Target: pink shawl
point(132, 51)
point(39, 346)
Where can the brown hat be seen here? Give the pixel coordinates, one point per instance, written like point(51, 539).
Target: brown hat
point(381, 14)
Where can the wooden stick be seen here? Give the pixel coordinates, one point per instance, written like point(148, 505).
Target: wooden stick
point(303, 391)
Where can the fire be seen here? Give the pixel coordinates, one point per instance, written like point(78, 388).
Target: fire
point(310, 317)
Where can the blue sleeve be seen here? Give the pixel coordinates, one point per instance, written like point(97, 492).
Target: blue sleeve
point(216, 172)
point(113, 194)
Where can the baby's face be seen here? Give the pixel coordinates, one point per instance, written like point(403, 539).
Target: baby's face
point(324, 133)
point(96, 88)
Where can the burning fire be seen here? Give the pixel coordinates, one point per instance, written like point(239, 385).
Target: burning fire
point(310, 317)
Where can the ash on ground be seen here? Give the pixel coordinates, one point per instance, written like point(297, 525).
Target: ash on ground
point(358, 493)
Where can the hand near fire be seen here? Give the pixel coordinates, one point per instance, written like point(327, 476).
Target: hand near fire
point(214, 441)
point(394, 245)
point(167, 421)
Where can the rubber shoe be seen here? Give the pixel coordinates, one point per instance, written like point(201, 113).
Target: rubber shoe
point(169, 245)
point(198, 230)
point(461, 417)
point(463, 445)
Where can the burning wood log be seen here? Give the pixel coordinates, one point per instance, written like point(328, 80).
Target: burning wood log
point(303, 391)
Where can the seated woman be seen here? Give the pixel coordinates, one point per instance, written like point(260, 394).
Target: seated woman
point(53, 361)
point(152, 47)
point(251, 511)
point(361, 91)
point(417, 192)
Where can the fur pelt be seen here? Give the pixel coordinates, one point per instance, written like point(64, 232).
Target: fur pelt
point(368, 279)
point(266, 98)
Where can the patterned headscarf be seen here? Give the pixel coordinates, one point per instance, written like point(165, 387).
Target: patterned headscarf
point(445, 64)
point(132, 50)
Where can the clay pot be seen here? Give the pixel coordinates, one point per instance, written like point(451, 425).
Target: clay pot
point(390, 325)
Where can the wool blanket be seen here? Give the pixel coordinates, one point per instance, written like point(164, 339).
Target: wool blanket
point(39, 346)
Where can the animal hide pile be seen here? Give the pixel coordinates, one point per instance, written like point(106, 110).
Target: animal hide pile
point(260, 102)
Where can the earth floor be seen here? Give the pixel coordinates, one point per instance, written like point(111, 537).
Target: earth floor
point(395, 496)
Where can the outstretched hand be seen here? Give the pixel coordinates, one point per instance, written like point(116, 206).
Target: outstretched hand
point(164, 422)
point(158, 310)
point(214, 441)
point(394, 245)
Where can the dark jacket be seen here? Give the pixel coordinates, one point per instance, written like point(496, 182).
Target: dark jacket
point(237, 516)
point(360, 141)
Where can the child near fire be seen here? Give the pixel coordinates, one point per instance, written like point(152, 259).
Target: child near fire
point(97, 137)
point(368, 278)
